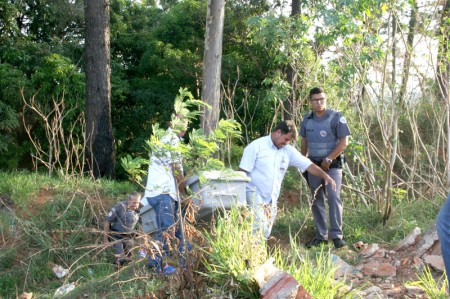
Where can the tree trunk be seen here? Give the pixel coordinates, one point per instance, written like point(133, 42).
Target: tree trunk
point(290, 103)
point(99, 135)
point(212, 64)
point(394, 136)
point(443, 63)
point(443, 74)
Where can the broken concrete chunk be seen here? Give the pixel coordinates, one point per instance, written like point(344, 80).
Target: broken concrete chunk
point(376, 269)
point(342, 268)
point(277, 284)
point(435, 261)
point(409, 240)
point(369, 250)
point(427, 241)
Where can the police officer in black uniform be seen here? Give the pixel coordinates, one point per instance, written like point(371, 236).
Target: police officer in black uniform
point(324, 137)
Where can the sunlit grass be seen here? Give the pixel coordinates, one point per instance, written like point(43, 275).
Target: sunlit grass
point(312, 269)
point(65, 228)
point(436, 289)
point(234, 253)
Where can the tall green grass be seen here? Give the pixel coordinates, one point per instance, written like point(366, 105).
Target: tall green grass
point(312, 269)
point(233, 253)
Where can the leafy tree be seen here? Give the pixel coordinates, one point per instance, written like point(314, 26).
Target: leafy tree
point(154, 53)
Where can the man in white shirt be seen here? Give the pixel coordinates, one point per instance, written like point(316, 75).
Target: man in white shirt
point(164, 191)
point(265, 160)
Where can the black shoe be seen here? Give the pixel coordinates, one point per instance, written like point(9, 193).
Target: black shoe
point(315, 242)
point(338, 243)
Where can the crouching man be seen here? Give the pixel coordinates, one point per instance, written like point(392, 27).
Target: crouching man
point(119, 227)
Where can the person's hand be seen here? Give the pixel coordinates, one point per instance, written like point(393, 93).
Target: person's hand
point(325, 165)
point(330, 181)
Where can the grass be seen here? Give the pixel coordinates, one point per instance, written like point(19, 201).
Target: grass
point(313, 269)
point(233, 254)
point(433, 288)
point(46, 221)
point(362, 224)
point(233, 235)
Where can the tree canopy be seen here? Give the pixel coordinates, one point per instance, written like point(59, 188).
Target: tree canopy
point(383, 63)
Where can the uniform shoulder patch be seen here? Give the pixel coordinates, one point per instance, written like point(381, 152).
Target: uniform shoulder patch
point(343, 120)
point(113, 210)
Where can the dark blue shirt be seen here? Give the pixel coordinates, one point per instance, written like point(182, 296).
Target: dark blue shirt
point(122, 218)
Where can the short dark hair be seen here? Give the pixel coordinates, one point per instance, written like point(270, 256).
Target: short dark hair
point(287, 126)
point(135, 195)
point(315, 90)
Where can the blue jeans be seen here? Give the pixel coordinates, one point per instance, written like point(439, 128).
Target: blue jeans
point(166, 210)
point(443, 230)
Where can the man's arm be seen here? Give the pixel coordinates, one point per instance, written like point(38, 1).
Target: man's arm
point(179, 178)
point(106, 230)
point(304, 147)
point(317, 171)
point(340, 147)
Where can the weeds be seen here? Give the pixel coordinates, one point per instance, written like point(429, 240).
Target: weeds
point(315, 273)
point(234, 253)
point(52, 221)
point(436, 289)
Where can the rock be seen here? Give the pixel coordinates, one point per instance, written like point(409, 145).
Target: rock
point(377, 296)
point(360, 245)
point(380, 253)
point(396, 292)
point(436, 248)
point(59, 271)
point(405, 261)
point(283, 286)
point(413, 291)
point(370, 291)
point(386, 286)
point(427, 241)
point(376, 269)
point(409, 240)
point(369, 250)
point(435, 261)
point(265, 272)
point(64, 289)
point(342, 268)
point(277, 284)
point(418, 262)
point(25, 295)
